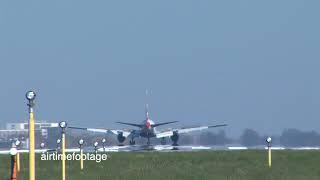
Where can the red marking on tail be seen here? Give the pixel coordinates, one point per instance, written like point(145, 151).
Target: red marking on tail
point(148, 124)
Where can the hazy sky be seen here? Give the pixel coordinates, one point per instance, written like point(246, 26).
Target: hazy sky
point(247, 63)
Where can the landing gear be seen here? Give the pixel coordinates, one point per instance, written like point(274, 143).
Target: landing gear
point(163, 141)
point(175, 138)
point(132, 142)
point(175, 143)
point(148, 142)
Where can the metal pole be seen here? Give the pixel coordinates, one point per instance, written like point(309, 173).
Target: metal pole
point(13, 153)
point(13, 167)
point(104, 144)
point(18, 162)
point(17, 144)
point(63, 126)
point(269, 140)
point(81, 153)
point(31, 146)
point(81, 159)
point(63, 157)
point(269, 153)
point(31, 96)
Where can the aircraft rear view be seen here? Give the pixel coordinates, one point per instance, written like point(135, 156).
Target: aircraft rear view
point(147, 129)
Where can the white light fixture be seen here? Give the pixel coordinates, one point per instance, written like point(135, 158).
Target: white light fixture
point(104, 140)
point(30, 95)
point(42, 145)
point(95, 144)
point(63, 124)
point(81, 142)
point(58, 141)
point(17, 143)
point(269, 140)
point(13, 151)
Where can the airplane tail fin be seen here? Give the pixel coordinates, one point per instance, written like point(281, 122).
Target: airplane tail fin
point(147, 105)
point(147, 112)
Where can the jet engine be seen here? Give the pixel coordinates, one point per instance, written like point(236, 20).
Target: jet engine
point(175, 138)
point(120, 137)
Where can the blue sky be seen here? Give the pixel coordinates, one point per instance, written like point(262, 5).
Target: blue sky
point(248, 63)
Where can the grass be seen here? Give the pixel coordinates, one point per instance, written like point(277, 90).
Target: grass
point(229, 165)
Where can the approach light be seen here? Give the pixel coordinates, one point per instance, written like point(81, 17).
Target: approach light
point(95, 144)
point(269, 140)
point(63, 124)
point(17, 143)
point(42, 145)
point(81, 142)
point(30, 95)
point(104, 140)
point(58, 141)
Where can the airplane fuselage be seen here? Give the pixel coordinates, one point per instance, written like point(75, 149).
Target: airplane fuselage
point(147, 131)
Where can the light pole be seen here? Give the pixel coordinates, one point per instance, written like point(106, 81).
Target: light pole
point(104, 144)
point(30, 95)
point(42, 146)
point(95, 144)
point(81, 152)
point(18, 143)
point(13, 152)
point(269, 140)
point(63, 126)
point(58, 144)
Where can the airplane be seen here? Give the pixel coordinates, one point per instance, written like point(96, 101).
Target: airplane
point(147, 129)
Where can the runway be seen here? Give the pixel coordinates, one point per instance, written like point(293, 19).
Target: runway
point(165, 148)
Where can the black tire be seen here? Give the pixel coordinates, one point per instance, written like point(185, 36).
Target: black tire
point(132, 142)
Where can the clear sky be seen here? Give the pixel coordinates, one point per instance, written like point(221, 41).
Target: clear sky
point(251, 64)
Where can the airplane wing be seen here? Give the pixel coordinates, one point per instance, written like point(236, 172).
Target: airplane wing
point(169, 133)
point(160, 124)
point(90, 129)
point(131, 124)
point(125, 133)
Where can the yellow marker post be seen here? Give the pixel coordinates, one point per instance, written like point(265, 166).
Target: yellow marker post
point(269, 156)
point(269, 151)
point(81, 152)
point(81, 159)
point(18, 162)
point(31, 96)
point(63, 157)
point(63, 126)
point(31, 148)
point(17, 143)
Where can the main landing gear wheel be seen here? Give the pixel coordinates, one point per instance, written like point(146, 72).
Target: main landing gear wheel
point(132, 142)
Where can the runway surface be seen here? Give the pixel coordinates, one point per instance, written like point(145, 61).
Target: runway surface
point(164, 148)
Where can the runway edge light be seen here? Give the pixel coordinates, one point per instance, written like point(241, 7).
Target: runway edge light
point(104, 144)
point(81, 142)
point(95, 144)
point(18, 143)
point(269, 140)
point(13, 153)
point(63, 126)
